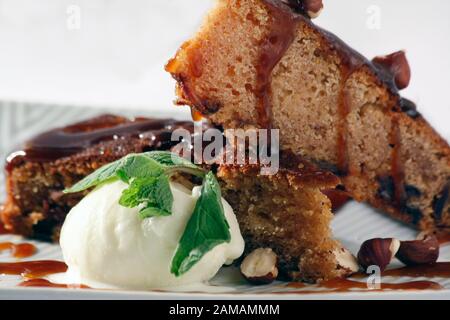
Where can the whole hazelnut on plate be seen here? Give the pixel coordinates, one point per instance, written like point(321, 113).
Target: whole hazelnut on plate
point(378, 252)
point(260, 266)
point(424, 250)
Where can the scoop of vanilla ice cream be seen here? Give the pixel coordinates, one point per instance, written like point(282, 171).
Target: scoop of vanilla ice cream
point(104, 242)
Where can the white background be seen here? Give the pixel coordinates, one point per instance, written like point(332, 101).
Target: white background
point(116, 58)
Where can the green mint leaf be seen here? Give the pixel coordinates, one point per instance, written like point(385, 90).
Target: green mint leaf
point(139, 191)
point(129, 167)
point(151, 212)
point(139, 166)
point(173, 163)
point(152, 192)
point(206, 229)
point(163, 196)
point(104, 174)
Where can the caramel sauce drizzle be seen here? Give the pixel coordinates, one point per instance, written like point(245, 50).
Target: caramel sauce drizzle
point(43, 283)
point(33, 269)
point(21, 250)
point(347, 285)
point(272, 50)
point(338, 198)
point(444, 239)
point(63, 142)
point(350, 63)
point(440, 269)
point(2, 227)
point(196, 116)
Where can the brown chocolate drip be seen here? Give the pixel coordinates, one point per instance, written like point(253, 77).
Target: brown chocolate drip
point(42, 283)
point(409, 108)
point(338, 198)
point(296, 5)
point(343, 285)
point(440, 269)
point(346, 285)
point(272, 49)
point(33, 269)
point(21, 250)
point(351, 61)
point(196, 116)
point(444, 239)
point(349, 67)
point(2, 227)
point(64, 142)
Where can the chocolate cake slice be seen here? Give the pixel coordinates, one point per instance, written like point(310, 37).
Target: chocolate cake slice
point(264, 64)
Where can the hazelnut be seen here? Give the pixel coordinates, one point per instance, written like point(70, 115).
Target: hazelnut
point(346, 261)
point(260, 266)
point(424, 250)
point(379, 252)
point(397, 64)
point(312, 8)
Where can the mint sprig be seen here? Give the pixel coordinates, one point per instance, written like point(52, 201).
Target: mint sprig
point(148, 176)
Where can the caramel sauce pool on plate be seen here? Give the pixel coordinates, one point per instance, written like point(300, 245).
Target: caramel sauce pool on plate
point(21, 250)
point(34, 271)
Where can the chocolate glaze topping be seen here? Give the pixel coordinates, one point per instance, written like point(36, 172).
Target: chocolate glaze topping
point(285, 19)
point(410, 108)
point(64, 142)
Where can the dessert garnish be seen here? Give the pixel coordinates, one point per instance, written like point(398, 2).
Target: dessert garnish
point(148, 176)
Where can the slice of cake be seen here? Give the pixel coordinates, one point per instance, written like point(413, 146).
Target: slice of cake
point(51, 162)
point(264, 64)
point(288, 213)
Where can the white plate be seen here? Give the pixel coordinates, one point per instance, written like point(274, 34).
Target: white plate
point(352, 225)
